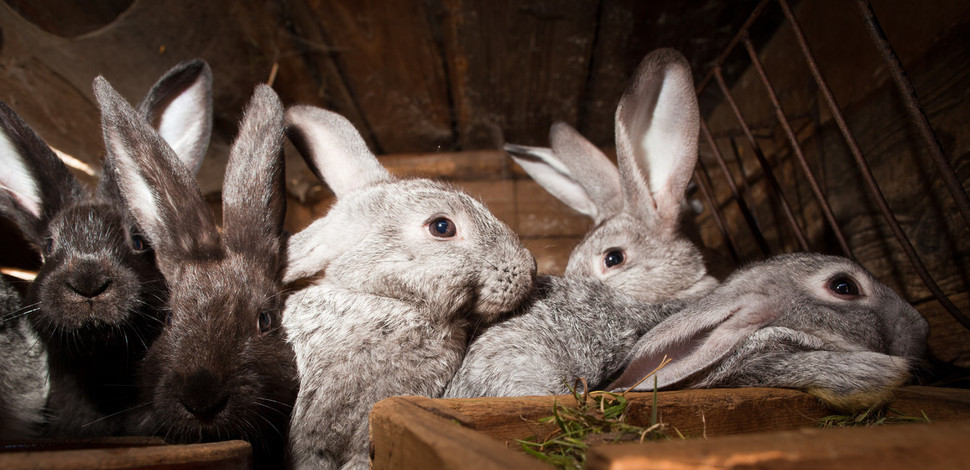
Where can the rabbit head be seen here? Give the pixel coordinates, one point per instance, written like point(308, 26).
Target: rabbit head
point(420, 240)
point(636, 244)
point(220, 368)
point(96, 301)
point(813, 322)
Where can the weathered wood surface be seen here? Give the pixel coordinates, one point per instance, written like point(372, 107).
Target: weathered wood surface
point(405, 436)
point(408, 431)
point(887, 447)
point(216, 455)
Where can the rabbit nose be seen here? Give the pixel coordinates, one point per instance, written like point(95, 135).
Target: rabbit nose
point(202, 395)
point(89, 286)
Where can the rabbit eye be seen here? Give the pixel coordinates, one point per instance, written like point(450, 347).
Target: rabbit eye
point(138, 242)
point(49, 246)
point(614, 258)
point(265, 322)
point(442, 228)
point(844, 286)
point(168, 318)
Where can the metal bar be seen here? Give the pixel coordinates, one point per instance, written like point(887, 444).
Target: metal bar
point(908, 93)
point(870, 181)
point(758, 10)
point(742, 205)
point(704, 182)
point(766, 167)
point(796, 148)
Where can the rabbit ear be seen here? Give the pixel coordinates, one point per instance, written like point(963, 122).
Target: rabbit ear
point(310, 251)
point(179, 106)
point(574, 171)
point(657, 125)
point(34, 183)
point(253, 197)
point(333, 149)
point(160, 191)
point(696, 338)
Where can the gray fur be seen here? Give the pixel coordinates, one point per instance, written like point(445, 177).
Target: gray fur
point(98, 294)
point(569, 329)
point(23, 370)
point(777, 324)
point(221, 367)
point(637, 208)
point(391, 305)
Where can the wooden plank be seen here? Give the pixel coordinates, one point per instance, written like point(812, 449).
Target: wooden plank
point(551, 253)
point(514, 67)
point(885, 447)
point(406, 436)
point(394, 70)
point(437, 427)
point(216, 455)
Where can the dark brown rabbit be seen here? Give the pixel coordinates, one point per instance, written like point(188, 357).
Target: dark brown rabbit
point(96, 302)
point(221, 368)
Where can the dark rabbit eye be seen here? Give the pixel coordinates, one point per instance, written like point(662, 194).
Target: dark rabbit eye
point(844, 286)
point(614, 258)
point(442, 228)
point(265, 322)
point(49, 246)
point(138, 242)
point(168, 318)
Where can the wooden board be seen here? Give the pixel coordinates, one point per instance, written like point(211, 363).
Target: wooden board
point(216, 455)
point(411, 431)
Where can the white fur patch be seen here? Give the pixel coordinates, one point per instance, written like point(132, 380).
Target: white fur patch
point(183, 123)
point(16, 179)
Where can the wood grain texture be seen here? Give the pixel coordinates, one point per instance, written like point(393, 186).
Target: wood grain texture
point(216, 455)
point(409, 431)
point(515, 67)
point(886, 447)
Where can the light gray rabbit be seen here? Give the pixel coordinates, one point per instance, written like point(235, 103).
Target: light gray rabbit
point(812, 322)
point(98, 296)
point(583, 325)
point(636, 244)
point(570, 328)
point(23, 370)
point(221, 367)
point(399, 272)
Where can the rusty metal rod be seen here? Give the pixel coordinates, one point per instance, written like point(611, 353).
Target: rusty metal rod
point(916, 114)
point(796, 148)
point(870, 181)
point(765, 166)
point(704, 182)
point(742, 205)
point(758, 10)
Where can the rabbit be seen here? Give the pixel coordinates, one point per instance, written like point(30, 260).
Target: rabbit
point(636, 244)
point(394, 276)
point(221, 367)
point(570, 328)
point(813, 322)
point(23, 371)
point(96, 302)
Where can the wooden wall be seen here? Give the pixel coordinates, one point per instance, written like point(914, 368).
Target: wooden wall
point(436, 86)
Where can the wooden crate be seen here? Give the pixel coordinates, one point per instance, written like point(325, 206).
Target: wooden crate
point(123, 453)
point(728, 428)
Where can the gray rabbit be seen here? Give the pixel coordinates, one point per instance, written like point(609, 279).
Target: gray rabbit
point(398, 272)
point(812, 322)
point(23, 370)
point(636, 244)
point(584, 324)
point(221, 367)
point(97, 300)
